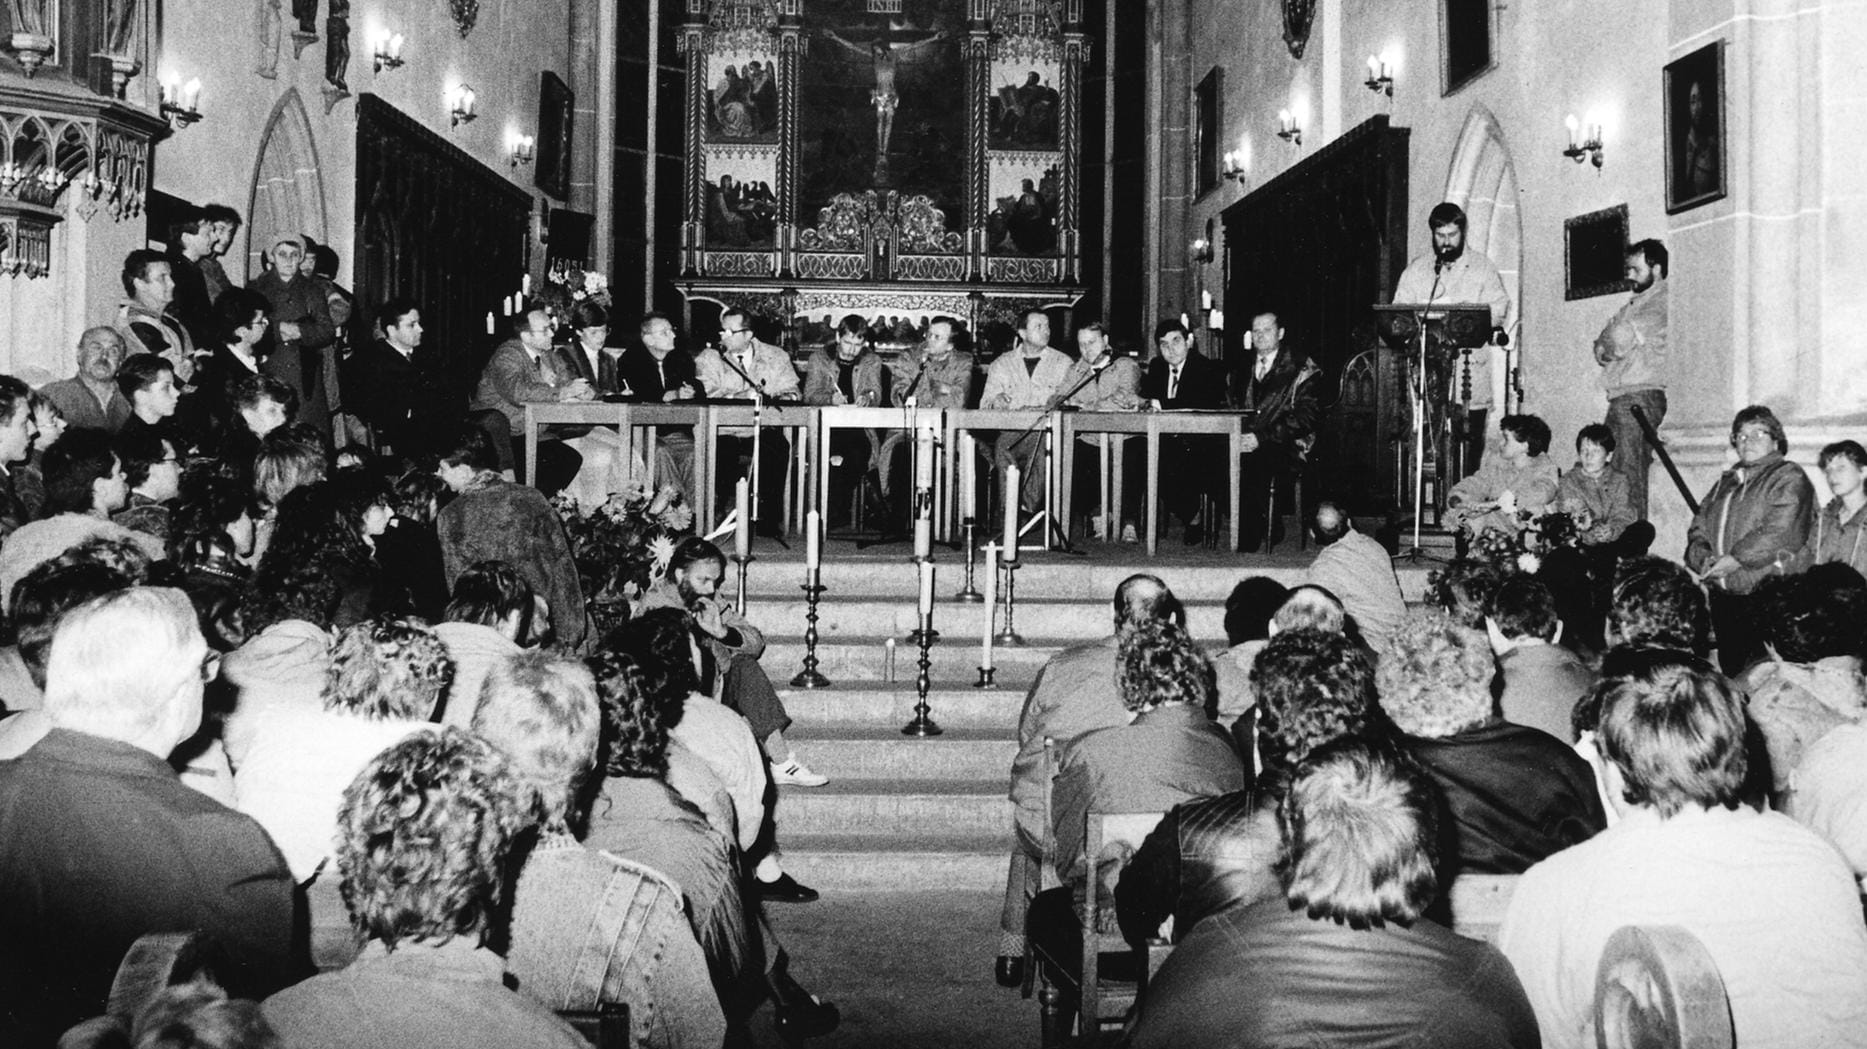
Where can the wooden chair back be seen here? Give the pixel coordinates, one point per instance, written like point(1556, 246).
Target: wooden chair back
point(159, 960)
point(1110, 838)
point(1478, 904)
point(605, 1027)
point(1658, 988)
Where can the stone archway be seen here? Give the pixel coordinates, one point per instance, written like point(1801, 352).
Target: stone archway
point(1483, 180)
point(288, 182)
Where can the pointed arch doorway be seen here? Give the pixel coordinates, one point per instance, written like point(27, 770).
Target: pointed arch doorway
point(288, 183)
point(1483, 180)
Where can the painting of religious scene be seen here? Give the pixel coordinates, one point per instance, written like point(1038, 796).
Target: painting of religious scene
point(1025, 193)
point(882, 103)
point(1024, 104)
point(742, 210)
point(742, 97)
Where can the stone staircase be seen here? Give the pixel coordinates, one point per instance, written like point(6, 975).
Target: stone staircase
point(932, 813)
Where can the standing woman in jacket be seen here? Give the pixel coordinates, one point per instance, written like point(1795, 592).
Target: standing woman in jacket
point(1752, 526)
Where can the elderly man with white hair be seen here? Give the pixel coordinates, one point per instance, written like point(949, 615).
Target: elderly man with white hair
point(101, 843)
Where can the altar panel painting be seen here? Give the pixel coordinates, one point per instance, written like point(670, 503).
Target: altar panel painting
point(1024, 188)
point(742, 97)
point(742, 209)
point(882, 103)
point(1024, 104)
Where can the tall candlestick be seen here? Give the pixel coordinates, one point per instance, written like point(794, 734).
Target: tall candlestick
point(927, 587)
point(742, 525)
point(1011, 512)
point(991, 605)
point(813, 540)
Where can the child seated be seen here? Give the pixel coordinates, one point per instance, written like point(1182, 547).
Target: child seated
point(1519, 480)
point(1598, 498)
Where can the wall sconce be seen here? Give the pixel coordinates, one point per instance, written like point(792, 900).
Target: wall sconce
point(1583, 147)
point(1287, 128)
point(1202, 252)
point(1234, 165)
point(460, 103)
point(521, 148)
point(181, 104)
point(388, 51)
point(1380, 76)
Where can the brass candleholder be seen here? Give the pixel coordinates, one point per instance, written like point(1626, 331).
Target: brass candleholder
point(969, 592)
point(810, 677)
point(922, 725)
point(1009, 636)
point(986, 674)
point(739, 603)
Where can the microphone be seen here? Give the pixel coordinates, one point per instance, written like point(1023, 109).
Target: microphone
point(1440, 263)
point(918, 374)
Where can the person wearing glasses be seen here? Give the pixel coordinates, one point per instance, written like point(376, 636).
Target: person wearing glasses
point(526, 369)
point(742, 368)
point(1749, 528)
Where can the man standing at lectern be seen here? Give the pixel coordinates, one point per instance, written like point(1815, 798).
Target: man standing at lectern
point(1451, 273)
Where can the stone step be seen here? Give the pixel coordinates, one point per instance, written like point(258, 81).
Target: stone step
point(894, 807)
point(881, 752)
point(854, 862)
point(957, 621)
point(874, 705)
point(951, 658)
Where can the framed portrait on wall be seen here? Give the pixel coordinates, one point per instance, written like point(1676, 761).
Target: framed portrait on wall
point(1594, 253)
point(1696, 172)
point(555, 102)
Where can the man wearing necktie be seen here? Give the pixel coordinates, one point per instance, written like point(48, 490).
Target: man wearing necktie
point(524, 369)
point(1180, 379)
point(1279, 390)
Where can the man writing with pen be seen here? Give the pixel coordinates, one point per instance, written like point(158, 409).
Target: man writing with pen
point(743, 368)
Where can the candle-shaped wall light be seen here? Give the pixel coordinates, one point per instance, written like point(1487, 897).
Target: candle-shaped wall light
point(1380, 76)
point(1288, 128)
point(1583, 145)
point(181, 103)
point(387, 50)
point(461, 101)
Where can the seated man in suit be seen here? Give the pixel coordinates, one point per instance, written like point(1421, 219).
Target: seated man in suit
point(1279, 388)
point(656, 372)
point(525, 368)
point(588, 356)
point(1181, 378)
point(390, 391)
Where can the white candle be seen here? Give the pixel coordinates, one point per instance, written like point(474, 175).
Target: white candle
point(991, 604)
point(742, 525)
point(507, 302)
point(1011, 512)
point(489, 322)
point(525, 284)
point(924, 460)
point(923, 538)
point(968, 494)
point(813, 541)
point(927, 585)
point(1205, 300)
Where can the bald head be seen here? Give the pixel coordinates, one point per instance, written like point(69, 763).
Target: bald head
point(1331, 522)
point(1143, 596)
point(100, 351)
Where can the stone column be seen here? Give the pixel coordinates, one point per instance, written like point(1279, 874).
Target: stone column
point(584, 45)
point(1173, 156)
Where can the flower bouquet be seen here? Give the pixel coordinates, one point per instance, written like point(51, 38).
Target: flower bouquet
point(622, 545)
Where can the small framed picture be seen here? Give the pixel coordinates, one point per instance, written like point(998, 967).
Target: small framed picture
point(1695, 128)
point(1594, 253)
point(556, 104)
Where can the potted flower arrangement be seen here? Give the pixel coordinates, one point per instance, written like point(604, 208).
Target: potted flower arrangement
point(622, 545)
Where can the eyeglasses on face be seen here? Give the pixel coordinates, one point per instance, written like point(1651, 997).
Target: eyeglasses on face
point(733, 331)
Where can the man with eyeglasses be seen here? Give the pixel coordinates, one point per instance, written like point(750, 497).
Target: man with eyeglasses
point(724, 373)
point(525, 369)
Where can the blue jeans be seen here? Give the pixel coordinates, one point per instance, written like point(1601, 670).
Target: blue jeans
point(1633, 456)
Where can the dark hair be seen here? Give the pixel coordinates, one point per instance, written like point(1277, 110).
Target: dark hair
point(235, 309)
point(1524, 607)
point(1249, 609)
point(652, 316)
point(414, 495)
point(489, 591)
point(661, 642)
point(78, 461)
point(1361, 832)
point(220, 213)
point(140, 371)
point(1595, 433)
point(637, 716)
point(1849, 450)
point(1656, 602)
point(1763, 416)
point(209, 503)
point(1529, 429)
point(1446, 213)
point(136, 267)
point(323, 259)
point(470, 446)
point(1654, 252)
point(1167, 327)
point(587, 314)
point(1024, 318)
point(1674, 727)
point(854, 324)
point(390, 313)
point(189, 221)
point(315, 560)
point(141, 449)
point(248, 390)
point(15, 397)
point(1463, 591)
point(49, 591)
point(1311, 686)
point(693, 550)
point(1814, 615)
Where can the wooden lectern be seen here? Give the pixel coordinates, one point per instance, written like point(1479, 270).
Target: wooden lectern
point(1432, 335)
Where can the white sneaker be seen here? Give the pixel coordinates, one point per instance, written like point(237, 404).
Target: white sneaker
point(1128, 534)
point(797, 774)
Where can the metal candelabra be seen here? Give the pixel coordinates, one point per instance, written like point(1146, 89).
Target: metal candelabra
point(922, 725)
point(810, 676)
point(739, 604)
point(969, 592)
point(1009, 636)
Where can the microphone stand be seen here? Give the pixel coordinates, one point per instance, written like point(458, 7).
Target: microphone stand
point(1417, 553)
point(758, 411)
point(1056, 405)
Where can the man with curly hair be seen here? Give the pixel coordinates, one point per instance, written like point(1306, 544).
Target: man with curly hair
point(1774, 905)
point(1312, 687)
point(1515, 794)
point(422, 843)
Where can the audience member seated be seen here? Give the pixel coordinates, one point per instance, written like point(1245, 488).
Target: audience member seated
point(1827, 792)
point(1519, 480)
point(84, 486)
point(1463, 591)
point(40, 600)
point(1751, 526)
point(1206, 856)
point(385, 677)
point(260, 405)
point(1810, 680)
point(1840, 531)
point(1773, 904)
point(152, 467)
point(1170, 753)
point(90, 399)
point(214, 527)
point(192, 1015)
point(1344, 955)
point(103, 844)
point(493, 519)
point(241, 323)
point(1514, 794)
point(486, 623)
point(525, 369)
point(17, 430)
point(411, 543)
point(1359, 571)
point(1597, 496)
point(588, 927)
point(1542, 680)
point(1657, 602)
point(148, 383)
point(423, 840)
point(48, 425)
point(1074, 693)
point(316, 536)
point(1248, 612)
